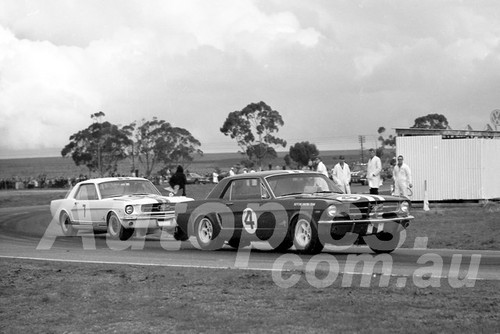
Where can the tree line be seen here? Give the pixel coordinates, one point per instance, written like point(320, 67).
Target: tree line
point(102, 145)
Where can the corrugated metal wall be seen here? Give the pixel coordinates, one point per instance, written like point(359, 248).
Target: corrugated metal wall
point(490, 168)
point(454, 168)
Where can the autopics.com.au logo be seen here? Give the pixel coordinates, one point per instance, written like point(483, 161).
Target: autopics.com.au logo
point(323, 270)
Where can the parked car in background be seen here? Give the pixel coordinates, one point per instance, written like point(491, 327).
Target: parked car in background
point(117, 205)
point(291, 208)
point(358, 173)
point(195, 178)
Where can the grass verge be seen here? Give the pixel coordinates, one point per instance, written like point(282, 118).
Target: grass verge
point(43, 297)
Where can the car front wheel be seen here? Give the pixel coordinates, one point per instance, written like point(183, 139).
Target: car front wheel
point(66, 225)
point(305, 236)
point(116, 229)
point(207, 234)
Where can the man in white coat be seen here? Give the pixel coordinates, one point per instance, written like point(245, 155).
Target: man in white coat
point(374, 168)
point(320, 166)
point(341, 174)
point(401, 174)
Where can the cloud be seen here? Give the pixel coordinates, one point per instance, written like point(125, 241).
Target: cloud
point(333, 69)
point(66, 60)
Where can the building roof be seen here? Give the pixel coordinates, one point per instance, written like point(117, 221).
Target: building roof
point(447, 133)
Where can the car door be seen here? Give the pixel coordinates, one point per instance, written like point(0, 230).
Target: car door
point(245, 198)
point(84, 202)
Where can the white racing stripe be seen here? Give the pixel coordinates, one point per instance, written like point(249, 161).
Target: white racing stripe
point(368, 197)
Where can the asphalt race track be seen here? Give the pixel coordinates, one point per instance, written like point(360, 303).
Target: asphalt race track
point(27, 232)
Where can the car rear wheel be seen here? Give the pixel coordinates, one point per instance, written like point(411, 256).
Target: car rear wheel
point(207, 234)
point(116, 229)
point(66, 225)
point(305, 236)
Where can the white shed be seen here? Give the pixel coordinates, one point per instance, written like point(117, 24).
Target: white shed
point(455, 164)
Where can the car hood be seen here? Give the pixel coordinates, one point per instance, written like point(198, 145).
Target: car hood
point(150, 198)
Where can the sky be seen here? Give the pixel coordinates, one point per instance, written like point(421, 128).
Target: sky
point(333, 69)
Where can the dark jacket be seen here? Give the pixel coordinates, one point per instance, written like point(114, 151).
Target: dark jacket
point(179, 179)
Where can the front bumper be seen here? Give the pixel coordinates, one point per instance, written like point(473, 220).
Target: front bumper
point(363, 226)
point(367, 221)
point(166, 221)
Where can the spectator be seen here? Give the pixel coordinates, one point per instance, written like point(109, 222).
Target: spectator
point(401, 174)
point(320, 166)
point(178, 181)
point(341, 174)
point(215, 177)
point(373, 172)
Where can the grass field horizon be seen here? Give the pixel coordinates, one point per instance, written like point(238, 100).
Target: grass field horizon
point(54, 167)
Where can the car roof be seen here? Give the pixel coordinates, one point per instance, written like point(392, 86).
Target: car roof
point(110, 179)
point(267, 173)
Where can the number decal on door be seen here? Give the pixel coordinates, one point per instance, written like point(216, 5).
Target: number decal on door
point(249, 220)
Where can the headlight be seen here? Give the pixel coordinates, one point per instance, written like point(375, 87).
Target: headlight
point(404, 207)
point(129, 209)
point(331, 211)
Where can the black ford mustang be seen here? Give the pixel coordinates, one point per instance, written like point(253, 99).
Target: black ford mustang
point(291, 208)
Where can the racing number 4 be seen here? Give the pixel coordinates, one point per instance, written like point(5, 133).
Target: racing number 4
point(249, 220)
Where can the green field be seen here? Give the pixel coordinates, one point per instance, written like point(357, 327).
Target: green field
point(54, 167)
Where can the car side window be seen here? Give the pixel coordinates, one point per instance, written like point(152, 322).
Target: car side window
point(264, 192)
point(243, 189)
point(86, 192)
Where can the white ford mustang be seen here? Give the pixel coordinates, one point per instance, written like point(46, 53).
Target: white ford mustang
point(118, 205)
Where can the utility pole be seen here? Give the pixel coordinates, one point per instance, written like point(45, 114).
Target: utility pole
point(361, 141)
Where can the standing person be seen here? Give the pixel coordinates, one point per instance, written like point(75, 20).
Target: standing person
point(401, 174)
point(231, 171)
point(320, 166)
point(373, 172)
point(178, 181)
point(341, 174)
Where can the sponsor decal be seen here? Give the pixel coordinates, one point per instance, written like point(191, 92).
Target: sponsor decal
point(349, 198)
point(304, 204)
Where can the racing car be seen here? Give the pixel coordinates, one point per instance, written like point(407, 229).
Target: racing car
point(117, 205)
point(301, 209)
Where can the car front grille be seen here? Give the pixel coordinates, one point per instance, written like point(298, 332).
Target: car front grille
point(157, 208)
point(367, 210)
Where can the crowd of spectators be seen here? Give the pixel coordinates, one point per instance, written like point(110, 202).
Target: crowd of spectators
point(61, 182)
point(39, 182)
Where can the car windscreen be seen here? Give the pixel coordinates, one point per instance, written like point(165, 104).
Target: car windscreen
point(283, 185)
point(127, 187)
point(357, 168)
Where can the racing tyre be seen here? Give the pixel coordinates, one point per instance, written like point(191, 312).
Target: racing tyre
point(66, 225)
point(207, 234)
point(305, 236)
point(116, 229)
